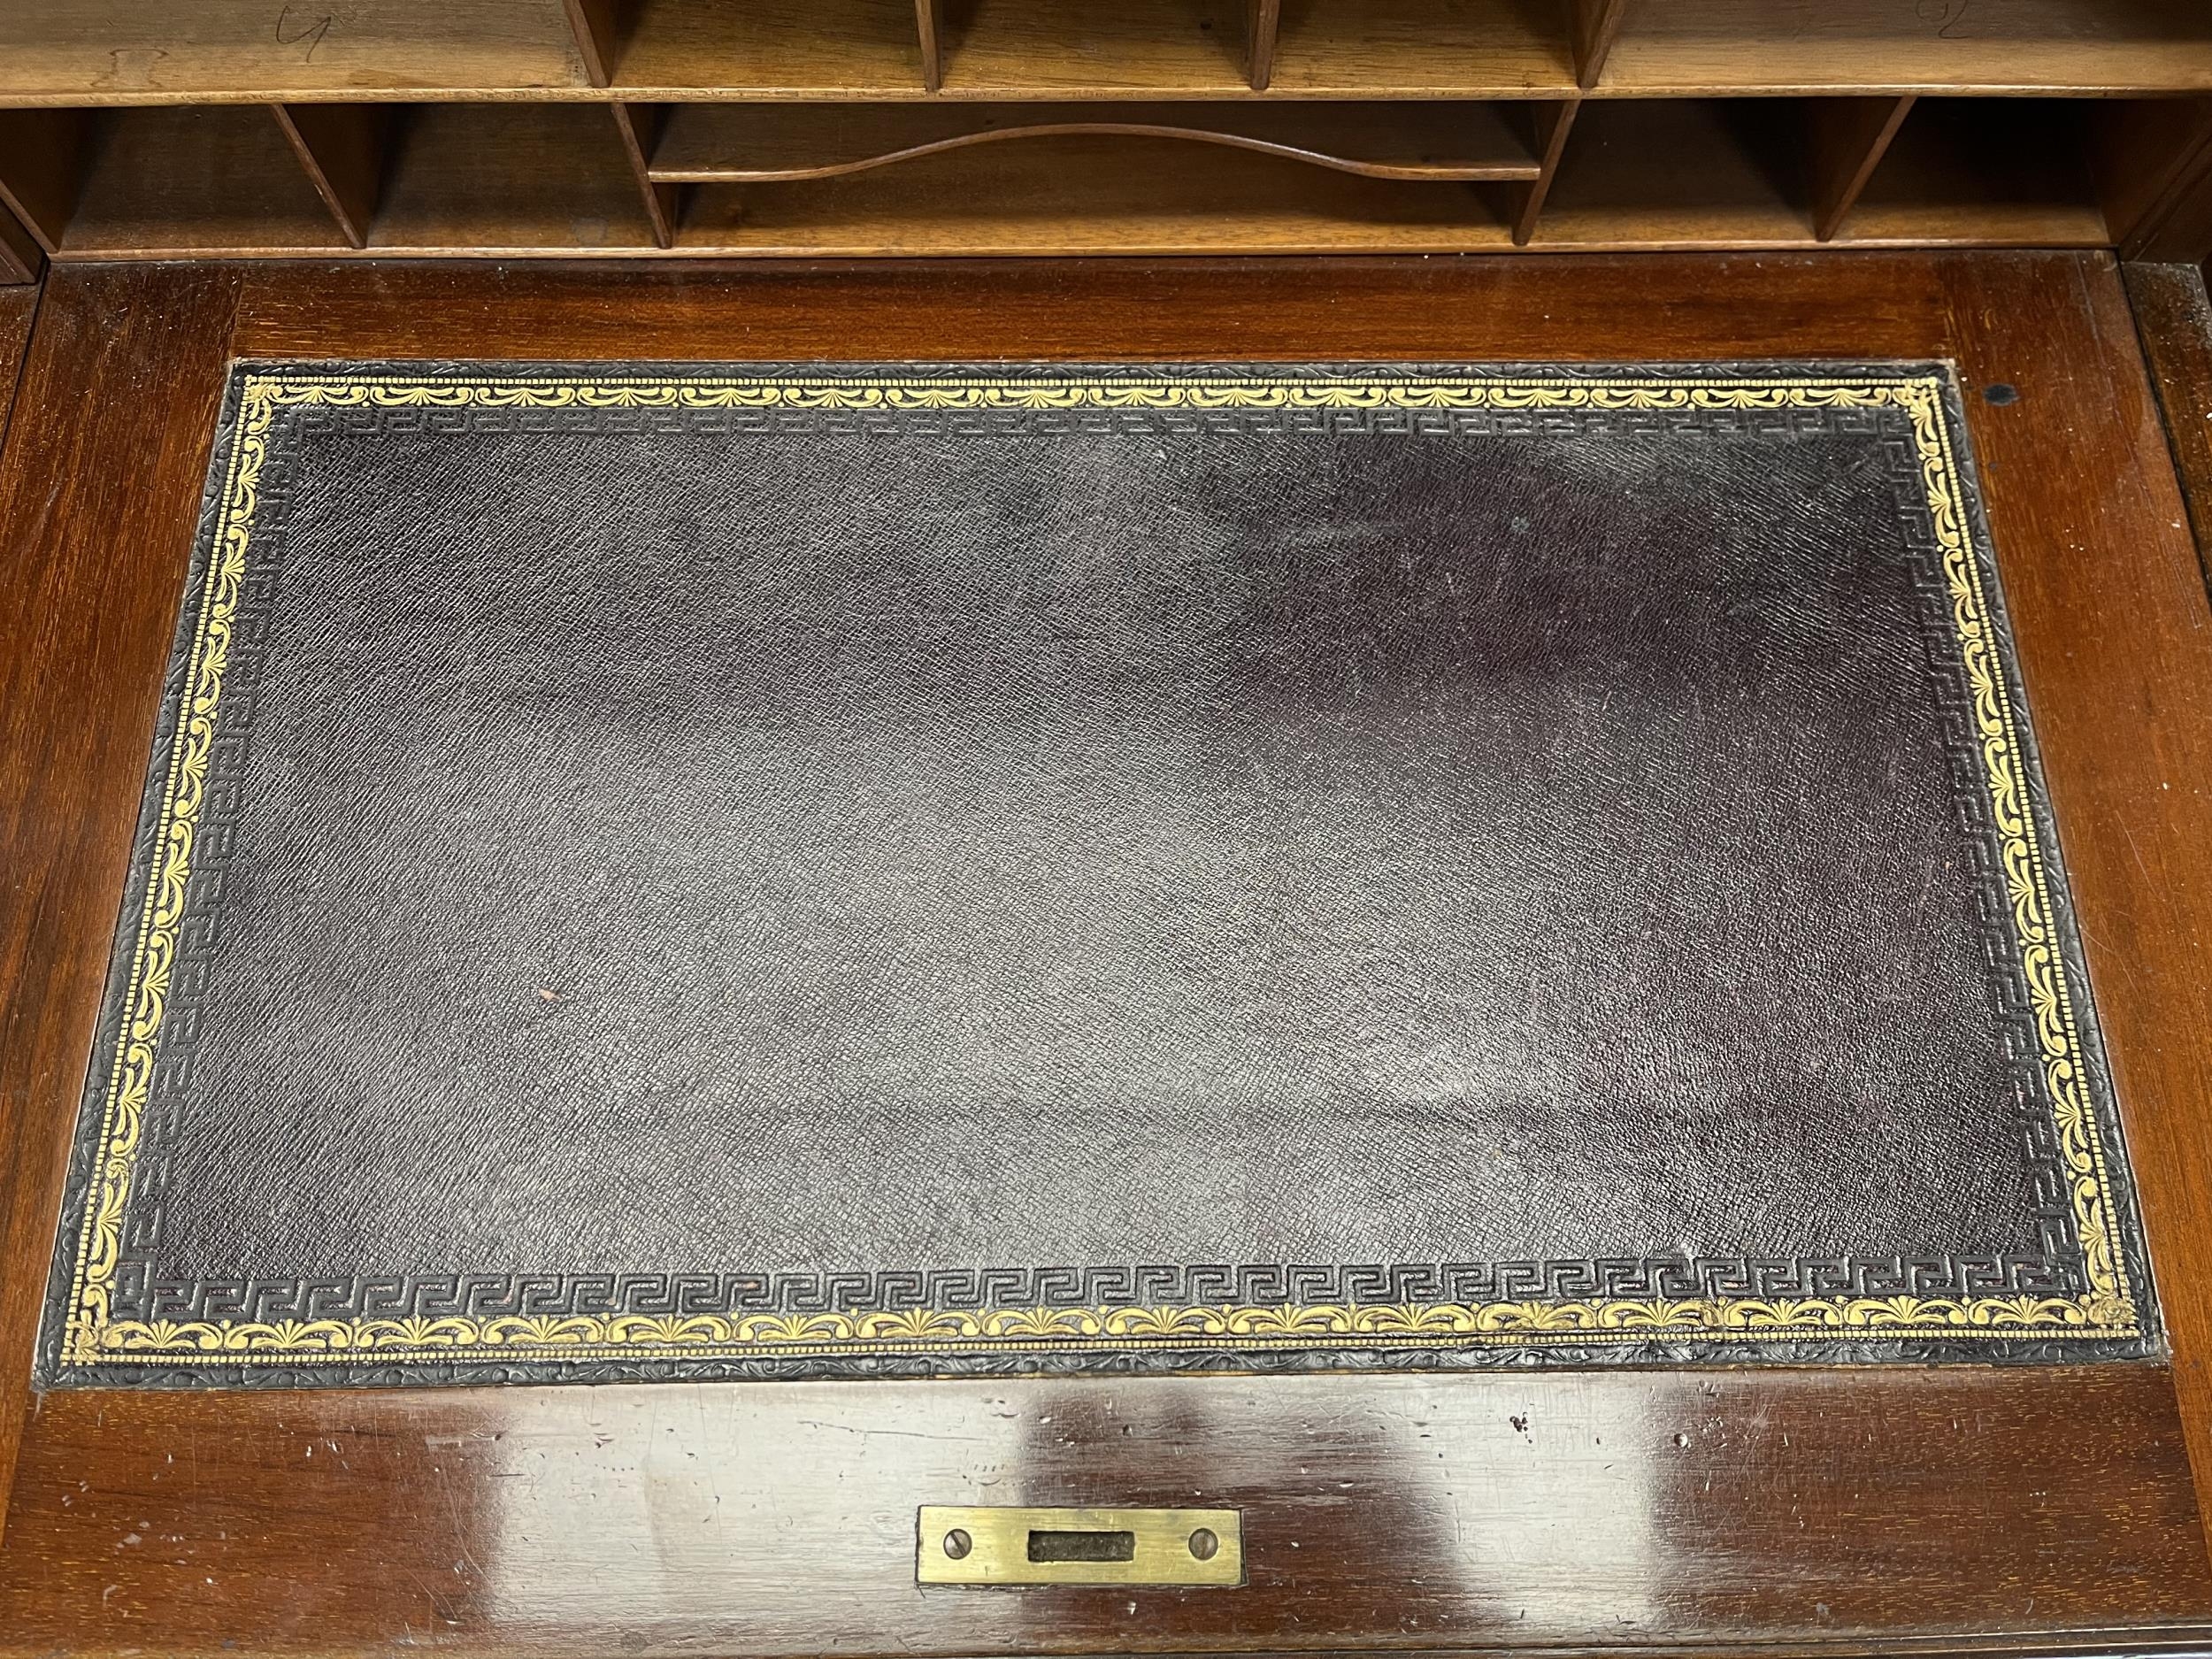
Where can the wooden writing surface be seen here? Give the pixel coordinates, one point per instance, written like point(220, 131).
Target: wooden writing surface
point(2023, 1508)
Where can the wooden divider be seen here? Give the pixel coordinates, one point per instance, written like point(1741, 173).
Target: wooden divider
point(1849, 137)
point(596, 26)
point(638, 127)
point(927, 24)
point(1596, 24)
point(1263, 21)
point(1554, 125)
point(342, 148)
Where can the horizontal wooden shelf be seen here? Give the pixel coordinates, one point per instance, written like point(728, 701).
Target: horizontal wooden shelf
point(1767, 46)
point(1681, 174)
point(517, 179)
point(812, 48)
point(1964, 171)
point(123, 51)
point(515, 128)
point(759, 143)
point(1094, 195)
point(193, 181)
point(88, 50)
point(1418, 48)
point(1022, 48)
point(537, 178)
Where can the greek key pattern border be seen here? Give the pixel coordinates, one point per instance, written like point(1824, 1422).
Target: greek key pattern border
point(2111, 1307)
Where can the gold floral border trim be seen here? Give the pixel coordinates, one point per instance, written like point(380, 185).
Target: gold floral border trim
point(2109, 1309)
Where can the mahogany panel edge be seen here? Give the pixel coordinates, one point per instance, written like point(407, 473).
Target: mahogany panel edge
point(2115, 635)
point(1613, 1508)
point(99, 482)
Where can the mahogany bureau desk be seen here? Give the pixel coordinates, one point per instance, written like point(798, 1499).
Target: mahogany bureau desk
point(370, 290)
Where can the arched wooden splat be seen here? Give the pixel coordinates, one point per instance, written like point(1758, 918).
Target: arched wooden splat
point(730, 143)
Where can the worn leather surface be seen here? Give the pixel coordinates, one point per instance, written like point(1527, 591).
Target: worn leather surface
point(845, 860)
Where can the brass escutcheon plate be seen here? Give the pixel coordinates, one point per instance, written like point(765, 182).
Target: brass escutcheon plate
point(959, 1544)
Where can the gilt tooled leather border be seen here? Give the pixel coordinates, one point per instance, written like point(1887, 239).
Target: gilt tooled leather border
point(112, 1317)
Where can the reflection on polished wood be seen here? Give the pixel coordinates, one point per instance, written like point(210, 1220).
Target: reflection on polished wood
point(2028, 1509)
point(1431, 1512)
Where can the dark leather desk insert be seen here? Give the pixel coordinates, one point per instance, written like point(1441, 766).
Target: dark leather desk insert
point(788, 870)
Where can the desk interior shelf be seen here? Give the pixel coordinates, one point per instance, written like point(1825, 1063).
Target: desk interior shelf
point(662, 128)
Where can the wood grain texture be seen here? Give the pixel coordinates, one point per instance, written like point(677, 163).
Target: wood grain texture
point(2114, 637)
point(1015, 49)
point(556, 181)
point(1418, 48)
point(1898, 46)
point(2020, 1510)
point(124, 52)
point(1986, 171)
point(19, 306)
point(83, 477)
point(194, 179)
point(781, 1519)
point(519, 178)
point(118, 49)
point(859, 49)
point(2174, 318)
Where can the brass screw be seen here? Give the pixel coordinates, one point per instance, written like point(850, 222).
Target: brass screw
point(1203, 1544)
point(957, 1543)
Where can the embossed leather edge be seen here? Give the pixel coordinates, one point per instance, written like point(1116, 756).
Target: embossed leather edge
point(83, 1343)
